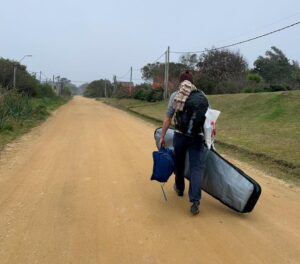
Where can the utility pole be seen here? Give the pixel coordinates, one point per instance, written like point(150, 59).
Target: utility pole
point(53, 77)
point(15, 74)
point(15, 70)
point(131, 74)
point(166, 82)
point(167, 75)
point(105, 93)
point(40, 76)
point(58, 85)
point(130, 87)
point(115, 83)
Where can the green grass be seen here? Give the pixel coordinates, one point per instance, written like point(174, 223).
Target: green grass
point(260, 126)
point(265, 123)
point(40, 109)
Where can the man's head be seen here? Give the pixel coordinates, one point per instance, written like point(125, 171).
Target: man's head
point(186, 76)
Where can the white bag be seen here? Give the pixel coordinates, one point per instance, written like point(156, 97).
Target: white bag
point(209, 126)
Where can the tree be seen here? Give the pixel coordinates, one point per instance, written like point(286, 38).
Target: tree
point(189, 60)
point(146, 92)
point(222, 65)
point(296, 74)
point(82, 88)
point(67, 84)
point(155, 72)
point(25, 83)
point(275, 67)
point(97, 89)
point(222, 70)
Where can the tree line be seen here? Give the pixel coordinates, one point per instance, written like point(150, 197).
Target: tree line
point(27, 84)
point(215, 72)
point(26, 101)
point(225, 71)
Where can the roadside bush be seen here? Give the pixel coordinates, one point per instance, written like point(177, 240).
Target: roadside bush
point(45, 90)
point(145, 92)
point(157, 94)
point(18, 106)
point(19, 110)
point(65, 91)
point(260, 90)
point(254, 77)
point(206, 85)
point(3, 113)
point(277, 88)
point(13, 107)
point(248, 90)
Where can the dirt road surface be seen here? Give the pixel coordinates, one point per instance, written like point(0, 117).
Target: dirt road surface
point(77, 190)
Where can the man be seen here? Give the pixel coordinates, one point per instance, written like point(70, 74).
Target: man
point(189, 106)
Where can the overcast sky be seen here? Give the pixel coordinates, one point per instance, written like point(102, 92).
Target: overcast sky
point(93, 39)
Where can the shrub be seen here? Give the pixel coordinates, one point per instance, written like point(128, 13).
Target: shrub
point(248, 90)
point(13, 107)
point(17, 105)
point(45, 90)
point(157, 94)
point(277, 88)
point(145, 92)
point(254, 77)
point(65, 91)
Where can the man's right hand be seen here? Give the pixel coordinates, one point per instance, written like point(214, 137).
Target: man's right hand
point(162, 142)
point(166, 124)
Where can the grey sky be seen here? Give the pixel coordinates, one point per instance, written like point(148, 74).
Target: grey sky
point(87, 40)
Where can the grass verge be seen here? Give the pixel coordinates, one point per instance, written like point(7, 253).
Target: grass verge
point(261, 129)
point(37, 110)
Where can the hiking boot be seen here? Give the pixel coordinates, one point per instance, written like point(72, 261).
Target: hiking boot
point(195, 208)
point(179, 193)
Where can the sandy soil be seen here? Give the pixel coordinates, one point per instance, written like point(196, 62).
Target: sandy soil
point(77, 190)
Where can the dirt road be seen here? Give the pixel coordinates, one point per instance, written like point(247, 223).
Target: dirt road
point(77, 190)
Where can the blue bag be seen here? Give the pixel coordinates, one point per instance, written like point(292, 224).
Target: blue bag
point(163, 164)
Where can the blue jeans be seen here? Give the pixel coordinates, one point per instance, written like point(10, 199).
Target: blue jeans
point(194, 146)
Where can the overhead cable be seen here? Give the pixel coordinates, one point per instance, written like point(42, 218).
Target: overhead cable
point(240, 42)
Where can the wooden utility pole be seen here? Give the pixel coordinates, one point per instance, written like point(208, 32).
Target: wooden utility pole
point(53, 77)
point(166, 81)
point(115, 83)
point(15, 76)
point(130, 87)
point(131, 74)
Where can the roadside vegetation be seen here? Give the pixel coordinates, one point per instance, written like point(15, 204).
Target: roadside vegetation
point(263, 128)
point(26, 105)
point(215, 72)
point(260, 120)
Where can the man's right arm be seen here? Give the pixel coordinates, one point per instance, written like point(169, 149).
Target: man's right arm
point(168, 119)
point(166, 125)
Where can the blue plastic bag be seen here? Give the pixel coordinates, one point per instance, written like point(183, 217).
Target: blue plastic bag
point(163, 164)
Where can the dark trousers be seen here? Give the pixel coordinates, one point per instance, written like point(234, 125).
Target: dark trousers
point(194, 146)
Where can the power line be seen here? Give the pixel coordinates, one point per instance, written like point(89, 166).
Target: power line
point(240, 42)
point(134, 79)
point(79, 81)
point(45, 75)
point(123, 76)
point(222, 47)
point(159, 57)
point(139, 69)
point(261, 27)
